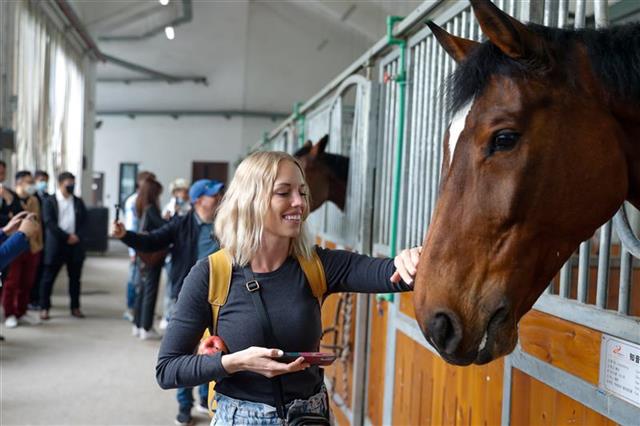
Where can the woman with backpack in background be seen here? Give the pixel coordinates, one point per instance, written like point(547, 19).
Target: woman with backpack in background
point(268, 307)
point(149, 264)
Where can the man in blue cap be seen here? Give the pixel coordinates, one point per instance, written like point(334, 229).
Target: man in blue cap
point(191, 238)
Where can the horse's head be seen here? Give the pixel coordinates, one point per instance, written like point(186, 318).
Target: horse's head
point(326, 173)
point(532, 165)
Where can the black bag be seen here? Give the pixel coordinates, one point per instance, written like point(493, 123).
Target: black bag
point(302, 419)
point(150, 259)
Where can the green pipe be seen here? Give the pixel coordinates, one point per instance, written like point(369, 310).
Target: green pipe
point(300, 122)
point(401, 79)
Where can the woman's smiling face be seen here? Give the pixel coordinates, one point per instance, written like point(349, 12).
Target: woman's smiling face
point(288, 207)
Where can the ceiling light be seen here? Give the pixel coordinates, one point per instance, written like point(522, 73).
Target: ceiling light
point(164, 2)
point(170, 33)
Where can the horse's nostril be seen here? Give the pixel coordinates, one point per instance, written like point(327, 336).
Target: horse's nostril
point(445, 332)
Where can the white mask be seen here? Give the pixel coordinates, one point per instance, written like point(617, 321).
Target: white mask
point(31, 189)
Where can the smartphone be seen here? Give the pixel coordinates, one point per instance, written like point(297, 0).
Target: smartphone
point(313, 358)
point(117, 206)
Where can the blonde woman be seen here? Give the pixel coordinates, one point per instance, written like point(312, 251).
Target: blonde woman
point(261, 223)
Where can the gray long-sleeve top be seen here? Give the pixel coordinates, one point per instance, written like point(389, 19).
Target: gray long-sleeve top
point(294, 314)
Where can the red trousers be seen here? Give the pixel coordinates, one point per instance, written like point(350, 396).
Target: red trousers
point(16, 286)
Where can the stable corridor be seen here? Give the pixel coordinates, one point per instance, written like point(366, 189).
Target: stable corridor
point(84, 372)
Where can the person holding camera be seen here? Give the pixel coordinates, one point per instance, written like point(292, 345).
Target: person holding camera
point(22, 273)
point(261, 226)
point(15, 236)
point(191, 238)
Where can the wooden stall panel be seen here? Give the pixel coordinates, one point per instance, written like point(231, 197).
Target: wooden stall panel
point(406, 304)
point(534, 403)
point(377, 356)
point(566, 345)
point(429, 391)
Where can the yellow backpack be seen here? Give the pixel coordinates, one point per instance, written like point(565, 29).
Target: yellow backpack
point(220, 267)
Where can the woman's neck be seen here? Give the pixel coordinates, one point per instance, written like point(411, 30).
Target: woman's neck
point(271, 255)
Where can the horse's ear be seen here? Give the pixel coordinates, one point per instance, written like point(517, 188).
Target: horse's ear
point(458, 48)
point(307, 145)
point(511, 36)
point(319, 148)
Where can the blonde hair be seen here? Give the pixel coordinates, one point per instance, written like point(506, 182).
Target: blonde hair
point(240, 220)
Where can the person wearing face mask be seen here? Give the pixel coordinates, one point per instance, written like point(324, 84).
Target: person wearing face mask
point(22, 271)
point(191, 238)
point(41, 179)
point(64, 217)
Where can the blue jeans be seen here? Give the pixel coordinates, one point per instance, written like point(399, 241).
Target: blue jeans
point(185, 396)
point(233, 411)
point(169, 301)
point(131, 284)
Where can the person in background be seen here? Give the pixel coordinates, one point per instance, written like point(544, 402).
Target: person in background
point(22, 271)
point(179, 205)
point(131, 223)
point(9, 206)
point(41, 179)
point(148, 210)
point(64, 217)
point(191, 238)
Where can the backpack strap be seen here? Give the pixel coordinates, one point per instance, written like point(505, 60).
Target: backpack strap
point(219, 283)
point(314, 271)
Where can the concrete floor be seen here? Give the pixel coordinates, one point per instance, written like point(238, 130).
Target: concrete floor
point(84, 372)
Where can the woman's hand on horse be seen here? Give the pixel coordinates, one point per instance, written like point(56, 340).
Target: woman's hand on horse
point(406, 263)
point(261, 360)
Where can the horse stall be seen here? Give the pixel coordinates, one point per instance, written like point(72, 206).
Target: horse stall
point(387, 113)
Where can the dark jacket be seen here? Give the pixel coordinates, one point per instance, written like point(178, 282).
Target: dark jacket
point(182, 232)
point(56, 238)
point(7, 211)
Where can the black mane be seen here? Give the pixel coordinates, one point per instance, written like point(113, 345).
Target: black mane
point(338, 164)
point(614, 54)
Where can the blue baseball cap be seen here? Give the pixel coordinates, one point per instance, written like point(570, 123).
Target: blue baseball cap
point(202, 187)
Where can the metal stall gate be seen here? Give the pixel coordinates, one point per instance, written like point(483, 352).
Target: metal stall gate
point(558, 373)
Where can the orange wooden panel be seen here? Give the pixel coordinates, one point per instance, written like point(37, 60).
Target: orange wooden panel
point(566, 345)
point(377, 356)
point(330, 244)
point(318, 240)
point(429, 391)
point(338, 416)
point(406, 304)
point(534, 403)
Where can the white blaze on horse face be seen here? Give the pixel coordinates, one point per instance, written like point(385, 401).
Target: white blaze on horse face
point(456, 128)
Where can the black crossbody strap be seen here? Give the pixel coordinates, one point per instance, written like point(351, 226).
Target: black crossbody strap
point(253, 287)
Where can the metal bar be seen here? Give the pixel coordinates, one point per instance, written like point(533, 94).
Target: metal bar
point(177, 113)
point(609, 322)
point(142, 69)
point(563, 13)
point(565, 280)
point(76, 24)
point(178, 79)
point(625, 281)
point(601, 13)
point(603, 266)
point(359, 361)
point(584, 392)
point(580, 14)
point(402, 28)
point(506, 392)
point(583, 271)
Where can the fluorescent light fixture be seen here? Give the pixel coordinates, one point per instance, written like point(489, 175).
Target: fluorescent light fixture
point(164, 2)
point(170, 33)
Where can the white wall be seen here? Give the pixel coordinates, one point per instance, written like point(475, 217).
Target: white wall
point(163, 145)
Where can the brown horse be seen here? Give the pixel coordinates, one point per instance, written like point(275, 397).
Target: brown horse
point(542, 150)
point(326, 173)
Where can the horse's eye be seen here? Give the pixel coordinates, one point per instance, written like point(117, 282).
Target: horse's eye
point(504, 141)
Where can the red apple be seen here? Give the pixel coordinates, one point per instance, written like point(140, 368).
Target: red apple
point(211, 345)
